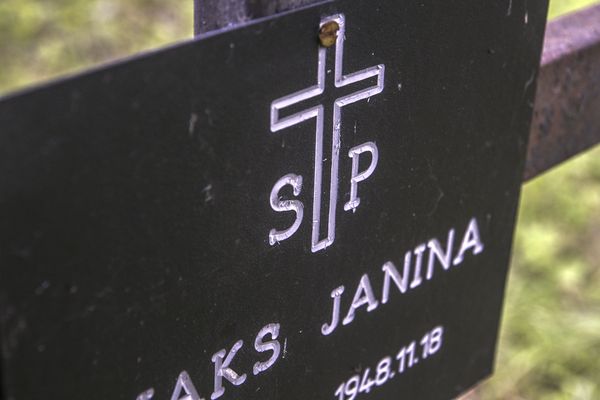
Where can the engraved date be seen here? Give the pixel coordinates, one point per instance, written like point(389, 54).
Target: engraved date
point(407, 357)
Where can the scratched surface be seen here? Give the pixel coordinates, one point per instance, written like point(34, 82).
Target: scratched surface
point(135, 210)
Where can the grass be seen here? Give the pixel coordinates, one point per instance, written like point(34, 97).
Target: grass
point(550, 338)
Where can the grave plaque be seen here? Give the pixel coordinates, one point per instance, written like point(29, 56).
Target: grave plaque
point(318, 205)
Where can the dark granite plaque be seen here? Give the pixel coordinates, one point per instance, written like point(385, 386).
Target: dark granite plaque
point(254, 216)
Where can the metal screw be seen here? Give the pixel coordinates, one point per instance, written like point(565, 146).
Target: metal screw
point(328, 33)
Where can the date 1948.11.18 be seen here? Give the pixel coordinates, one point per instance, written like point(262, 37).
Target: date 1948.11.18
point(406, 358)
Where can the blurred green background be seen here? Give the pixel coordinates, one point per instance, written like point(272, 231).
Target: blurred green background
point(550, 338)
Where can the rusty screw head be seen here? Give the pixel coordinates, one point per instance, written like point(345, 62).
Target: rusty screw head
point(328, 33)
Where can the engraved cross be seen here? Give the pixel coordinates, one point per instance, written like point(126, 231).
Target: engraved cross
point(278, 124)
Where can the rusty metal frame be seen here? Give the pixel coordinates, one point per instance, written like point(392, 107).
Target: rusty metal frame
point(566, 119)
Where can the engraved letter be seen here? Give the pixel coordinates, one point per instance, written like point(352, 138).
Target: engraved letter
point(286, 205)
point(435, 251)
point(471, 240)
point(364, 295)
point(336, 295)
point(357, 177)
point(184, 383)
point(222, 369)
point(273, 345)
point(418, 262)
point(391, 272)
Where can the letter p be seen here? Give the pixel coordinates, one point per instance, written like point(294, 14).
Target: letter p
point(357, 177)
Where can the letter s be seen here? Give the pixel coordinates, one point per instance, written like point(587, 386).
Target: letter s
point(286, 205)
point(261, 347)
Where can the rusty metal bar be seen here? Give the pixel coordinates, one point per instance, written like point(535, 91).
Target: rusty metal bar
point(566, 119)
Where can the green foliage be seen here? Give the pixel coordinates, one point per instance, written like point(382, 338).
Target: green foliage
point(42, 39)
point(550, 339)
point(560, 7)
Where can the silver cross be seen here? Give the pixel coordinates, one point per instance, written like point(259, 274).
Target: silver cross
point(341, 80)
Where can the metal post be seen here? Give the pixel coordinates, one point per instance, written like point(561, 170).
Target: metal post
point(211, 15)
point(566, 117)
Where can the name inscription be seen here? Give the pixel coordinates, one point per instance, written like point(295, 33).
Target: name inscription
point(419, 266)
